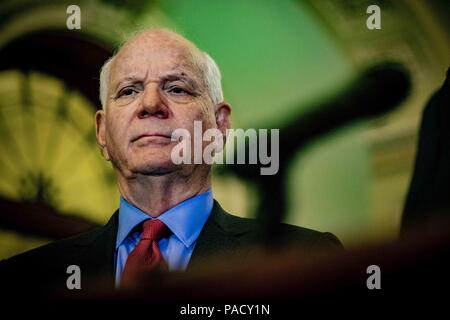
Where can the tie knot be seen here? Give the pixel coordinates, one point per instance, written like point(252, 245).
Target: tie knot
point(154, 230)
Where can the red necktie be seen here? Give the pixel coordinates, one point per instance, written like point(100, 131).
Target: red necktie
point(146, 256)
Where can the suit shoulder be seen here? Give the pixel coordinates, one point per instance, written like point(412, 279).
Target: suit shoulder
point(314, 237)
point(53, 251)
point(240, 226)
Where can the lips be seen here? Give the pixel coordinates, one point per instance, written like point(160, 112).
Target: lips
point(151, 134)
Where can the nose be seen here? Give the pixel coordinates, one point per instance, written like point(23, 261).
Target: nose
point(152, 105)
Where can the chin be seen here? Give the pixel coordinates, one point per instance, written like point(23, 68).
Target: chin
point(156, 168)
point(156, 171)
point(152, 161)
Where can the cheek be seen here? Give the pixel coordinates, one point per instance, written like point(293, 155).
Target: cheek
point(199, 112)
point(115, 130)
point(209, 119)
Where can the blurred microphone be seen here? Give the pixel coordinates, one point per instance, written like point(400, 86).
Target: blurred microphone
point(376, 91)
point(379, 89)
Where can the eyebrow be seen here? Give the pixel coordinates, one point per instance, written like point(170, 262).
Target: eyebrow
point(167, 77)
point(132, 79)
point(180, 76)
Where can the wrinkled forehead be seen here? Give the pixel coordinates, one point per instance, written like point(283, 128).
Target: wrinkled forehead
point(156, 55)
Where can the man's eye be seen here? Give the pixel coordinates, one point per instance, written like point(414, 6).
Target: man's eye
point(127, 92)
point(177, 90)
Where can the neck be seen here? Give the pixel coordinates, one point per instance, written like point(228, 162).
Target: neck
point(156, 194)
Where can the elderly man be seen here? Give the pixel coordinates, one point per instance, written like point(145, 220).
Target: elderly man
point(168, 220)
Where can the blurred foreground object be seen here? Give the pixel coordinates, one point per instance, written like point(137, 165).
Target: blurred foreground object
point(411, 268)
point(429, 192)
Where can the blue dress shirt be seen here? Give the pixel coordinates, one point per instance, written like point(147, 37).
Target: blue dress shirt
point(185, 220)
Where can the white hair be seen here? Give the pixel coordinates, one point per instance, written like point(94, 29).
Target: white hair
point(207, 66)
point(104, 81)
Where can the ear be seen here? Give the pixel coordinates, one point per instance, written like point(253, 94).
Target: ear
point(100, 132)
point(222, 114)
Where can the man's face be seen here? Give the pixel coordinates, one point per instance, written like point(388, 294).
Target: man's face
point(154, 89)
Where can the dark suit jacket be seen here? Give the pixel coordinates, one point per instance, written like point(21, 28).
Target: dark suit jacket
point(43, 270)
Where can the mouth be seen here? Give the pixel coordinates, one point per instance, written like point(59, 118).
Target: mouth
point(151, 136)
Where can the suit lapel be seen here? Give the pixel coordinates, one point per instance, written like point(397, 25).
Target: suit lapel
point(215, 238)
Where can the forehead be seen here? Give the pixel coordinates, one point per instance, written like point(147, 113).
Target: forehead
point(155, 56)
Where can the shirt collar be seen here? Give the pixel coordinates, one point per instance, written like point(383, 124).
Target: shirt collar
point(185, 220)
